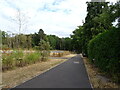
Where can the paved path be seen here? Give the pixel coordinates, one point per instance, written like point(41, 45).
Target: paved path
point(70, 74)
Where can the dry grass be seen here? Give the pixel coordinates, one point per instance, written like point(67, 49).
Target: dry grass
point(59, 54)
point(70, 55)
point(96, 78)
point(20, 75)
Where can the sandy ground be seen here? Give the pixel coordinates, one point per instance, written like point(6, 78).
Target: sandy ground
point(20, 75)
point(96, 78)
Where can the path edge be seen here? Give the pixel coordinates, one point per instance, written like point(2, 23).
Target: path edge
point(87, 72)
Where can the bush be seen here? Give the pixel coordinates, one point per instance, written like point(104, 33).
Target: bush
point(7, 61)
point(10, 60)
point(104, 52)
point(44, 55)
point(36, 48)
point(19, 59)
point(32, 57)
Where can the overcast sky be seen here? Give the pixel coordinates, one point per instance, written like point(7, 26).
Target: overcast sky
point(58, 17)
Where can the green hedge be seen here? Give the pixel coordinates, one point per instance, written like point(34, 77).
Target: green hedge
point(104, 52)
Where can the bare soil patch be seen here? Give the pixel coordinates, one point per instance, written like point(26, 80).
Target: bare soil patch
point(20, 75)
point(97, 79)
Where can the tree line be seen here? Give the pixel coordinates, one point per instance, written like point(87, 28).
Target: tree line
point(37, 40)
point(100, 16)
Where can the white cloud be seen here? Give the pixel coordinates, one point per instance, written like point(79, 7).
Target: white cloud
point(59, 17)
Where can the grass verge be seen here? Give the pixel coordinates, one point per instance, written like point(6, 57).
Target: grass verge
point(97, 79)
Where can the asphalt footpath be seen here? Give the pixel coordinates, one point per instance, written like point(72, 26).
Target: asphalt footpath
point(70, 74)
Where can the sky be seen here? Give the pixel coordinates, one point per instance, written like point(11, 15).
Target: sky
point(56, 17)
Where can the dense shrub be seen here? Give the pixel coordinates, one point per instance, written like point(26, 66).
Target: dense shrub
point(44, 55)
point(20, 59)
point(32, 57)
point(104, 52)
point(10, 60)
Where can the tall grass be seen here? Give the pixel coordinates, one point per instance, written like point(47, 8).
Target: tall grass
point(60, 54)
point(44, 55)
point(20, 59)
point(11, 60)
point(32, 57)
point(8, 61)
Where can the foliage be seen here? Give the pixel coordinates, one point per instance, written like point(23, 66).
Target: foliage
point(37, 37)
point(44, 55)
point(43, 45)
point(37, 41)
point(99, 19)
point(54, 41)
point(59, 43)
point(10, 60)
point(19, 59)
point(104, 51)
point(68, 43)
point(77, 39)
point(44, 48)
point(32, 57)
point(91, 26)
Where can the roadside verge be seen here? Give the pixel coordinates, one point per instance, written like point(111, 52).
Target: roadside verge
point(97, 79)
